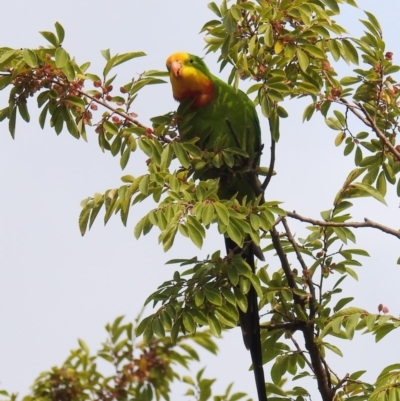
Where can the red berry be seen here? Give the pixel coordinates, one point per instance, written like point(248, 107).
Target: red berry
point(389, 56)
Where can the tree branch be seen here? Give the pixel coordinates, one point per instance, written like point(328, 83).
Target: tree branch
point(378, 132)
point(285, 263)
point(321, 374)
point(309, 282)
point(301, 352)
point(367, 223)
point(271, 167)
point(366, 119)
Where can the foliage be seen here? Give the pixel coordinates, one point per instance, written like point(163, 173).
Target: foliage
point(290, 49)
point(141, 371)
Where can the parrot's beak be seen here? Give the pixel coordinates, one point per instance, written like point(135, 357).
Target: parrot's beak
point(175, 68)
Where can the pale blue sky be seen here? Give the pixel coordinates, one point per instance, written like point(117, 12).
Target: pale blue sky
point(56, 286)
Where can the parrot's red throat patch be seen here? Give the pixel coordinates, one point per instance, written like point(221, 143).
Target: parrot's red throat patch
point(200, 98)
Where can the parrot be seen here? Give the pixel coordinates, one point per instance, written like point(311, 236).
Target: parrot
point(221, 117)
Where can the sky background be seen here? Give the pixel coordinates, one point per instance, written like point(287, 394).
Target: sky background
point(56, 286)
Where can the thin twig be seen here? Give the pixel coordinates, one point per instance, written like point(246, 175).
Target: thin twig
point(309, 282)
point(366, 119)
point(271, 167)
point(367, 223)
point(109, 107)
point(285, 263)
point(341, 382)
point(378, 132)
point(301, 352)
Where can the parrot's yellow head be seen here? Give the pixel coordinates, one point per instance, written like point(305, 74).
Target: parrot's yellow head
point(190, 79)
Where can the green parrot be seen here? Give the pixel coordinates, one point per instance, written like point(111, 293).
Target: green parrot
point(221, 118)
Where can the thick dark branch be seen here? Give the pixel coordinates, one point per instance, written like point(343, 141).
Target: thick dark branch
point(321, 373)
point(367, 223)
point(290, 326)
point(309, 282)
point(327, 370)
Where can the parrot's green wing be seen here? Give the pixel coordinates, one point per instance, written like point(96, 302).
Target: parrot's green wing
point(229, 121)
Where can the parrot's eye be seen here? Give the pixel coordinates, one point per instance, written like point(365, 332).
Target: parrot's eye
point(191, 61)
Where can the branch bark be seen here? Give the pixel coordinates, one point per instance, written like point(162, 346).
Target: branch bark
point(367, 223)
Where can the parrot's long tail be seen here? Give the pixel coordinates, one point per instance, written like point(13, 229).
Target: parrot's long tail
point(250, 322)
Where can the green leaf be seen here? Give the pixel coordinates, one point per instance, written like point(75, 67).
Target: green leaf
point(341, 303)
point(334, 124)
point(222, 212)
point(214, 8)
point(144, 184)
point(213, 295)
point(241, 300)
point(333, 5)
point(374, 21)
point(340, 233)
point(235, 234)
point(60, 32)
point(181, 154)
point(233, 274)
point(215, 326)
point(119, 59)
point(350, 50)
point(268, 36)
point(30, 58)
point(50, 37)
point(351, 325)
point(274, 389)
point(7, 56)
point(188, 322)
point(194, 233)
point(339, 138)
point(381, 184)
point(84, 219)
point(42, 116)
point(23, 111)
point(61, 57)
point(12, 121)
point(303, 59)
point(207, 214)
point(110, 127)
point(69, 71)
point(369, 190)
point(279, 368)
point(334, 349)
point(77, 101)
point(106, 54)
point(314, 51)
